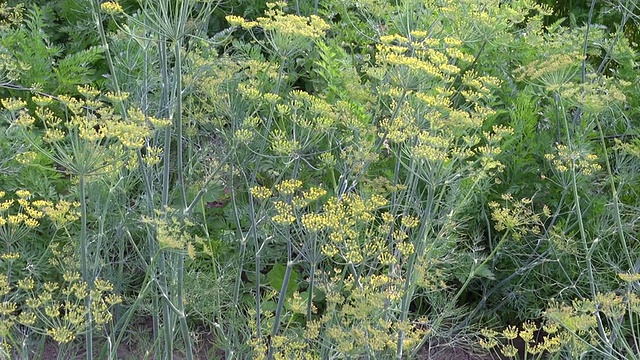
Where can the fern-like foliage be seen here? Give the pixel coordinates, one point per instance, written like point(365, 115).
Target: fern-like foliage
point(30, 59)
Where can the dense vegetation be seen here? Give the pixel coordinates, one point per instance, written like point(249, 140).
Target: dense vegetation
point(317, 180)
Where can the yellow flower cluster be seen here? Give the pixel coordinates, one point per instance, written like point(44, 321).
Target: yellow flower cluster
point(288, 187)
point(629, 277)
point(29, 213)
point(172, 232)
point(564, 159)
point(13, 105)
point(528, 333)
point(579, 322)
point(553, 73)
point(309, 111)
point(414, 62)
point(516, 217)
point(57, 309)
point(284, 214)
point(111, 7)
point(355, 322)
point(286, 34)
point(577, 317)
point(279, 22)
point(261, 192)
point(281, 145)
point(340, 215)
point(92, 120)
point(399, 129)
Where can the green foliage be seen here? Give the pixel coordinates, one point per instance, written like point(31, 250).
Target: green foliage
point(38, 62)
point(336, 179)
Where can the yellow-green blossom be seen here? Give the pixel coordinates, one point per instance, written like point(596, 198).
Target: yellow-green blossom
point(111, 7)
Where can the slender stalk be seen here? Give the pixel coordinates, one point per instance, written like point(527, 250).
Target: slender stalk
point(84, 265)
point(164, 103)
point(312, 274)
point(95, 7)
point(163, 268)
point(256, 243)
point(281, 298)
point(583, 236)
point(407, 293)
point(178, 121)
point(179, 149)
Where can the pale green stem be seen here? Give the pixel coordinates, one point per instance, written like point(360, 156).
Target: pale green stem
point(163, 269)
point(287, 275)
point(583, 234)
point(95, 5)
point(407, 293)
point(149, 189)
point(84, 261)
point(281, 298)
point(312, 274)
point(179, 148)
point(256, 244)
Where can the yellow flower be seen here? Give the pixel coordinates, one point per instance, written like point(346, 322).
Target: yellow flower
point(25, 119)
point(116, 97)
point(629, 277)
point(26, 284)
point(12, 104)
point(234, 20)
point(314, 222)
point(27, 318)
point(111, 7)
point(410, 221)
point(288, 187)
point(314, 193)
point(30, 222)
point(10, 256)
point(509, 351)
point(61, 334)
point(285, 213)
point(86, 90)
point(7, 308)
point(261, 192)
point(42, 100)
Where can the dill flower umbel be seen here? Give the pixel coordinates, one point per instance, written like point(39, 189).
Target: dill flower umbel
point(12, 104)
point(261, 192)
point(111, 7)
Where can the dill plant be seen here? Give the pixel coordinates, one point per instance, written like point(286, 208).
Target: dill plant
point(56, 307)
point(579, 103)
point(366, 180)
point(399, 166)
point(441, 145)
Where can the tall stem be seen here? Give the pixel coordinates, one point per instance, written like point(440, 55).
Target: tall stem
point(583, 234)
point(87, 276)
point(179, 149)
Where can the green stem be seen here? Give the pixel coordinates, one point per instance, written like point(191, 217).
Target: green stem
point(95, 5)
point(178, 120)
point(312, 275)
point(179, 149)
point(87, 277)
point(256, 244)
point(281, 298)
point(583, 234)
